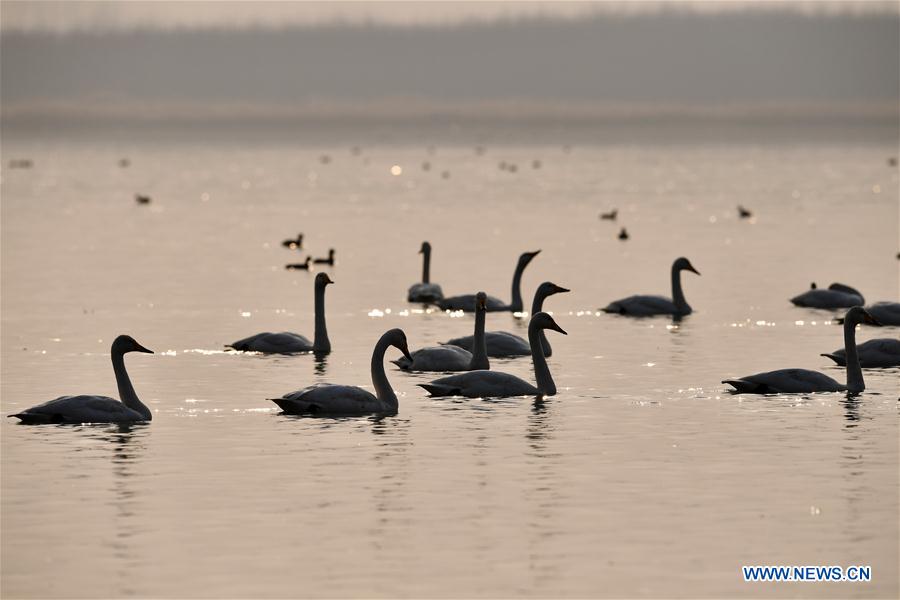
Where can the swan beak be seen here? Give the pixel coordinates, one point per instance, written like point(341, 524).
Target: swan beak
point(556, 327)
point(405, 352)
point(692, 269)
point(328, 279)
point(560, 290)
point(139, 348)
point(868, 318)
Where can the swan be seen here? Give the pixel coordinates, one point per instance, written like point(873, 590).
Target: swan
point(425, 291)
point(293, 243)
point(289, 343)
point(141, 199)
point(802, 381)
point(304, 266)
point(328, 399)
point(453, 358)
point(886, 313)
point(96, 409)
point(623, 234)
point(837, 295)
point(611, 215)
point(743, 212)
point(326, 261)
point(502, 344)
point(466, 302)
point(645, 306)
point(877, 353)
point(494, 384)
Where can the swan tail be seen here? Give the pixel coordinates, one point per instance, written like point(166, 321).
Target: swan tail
point(742, 386)
point(613, 308)
point(436, 389)
point(36, 418)
point(836, 359)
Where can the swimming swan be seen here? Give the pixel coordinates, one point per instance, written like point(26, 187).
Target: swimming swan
point(287, 342)
point(96, 409)
point(503, 344)
point(466, 302)
point(645, 306)
point(328, 399)
point(425, 291)
point(837, 295)
point(803, 381)
point(325, 261)
point(453, 358)
point(886, 313)
point(494, 384)
point(874, 354)
point(293, 243)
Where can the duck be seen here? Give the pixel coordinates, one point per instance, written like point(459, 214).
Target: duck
point(645, 306)
point(495, 384)
point(141, 199)
point(837, 295)
point(743, 212)
point(453, 358)
point(501, 344)
point(426, 291)
point(292, 343)
point(331, 400)
point(96, 409)
point(304, 266)
point(804, 381)
point(873, 354)
point(623, 234)
point(293, 243)
point(611, 215)
point(326, 261)
point(466, 302)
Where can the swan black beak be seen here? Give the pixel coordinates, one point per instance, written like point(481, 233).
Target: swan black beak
point(328, 279)
point(405, 352)
point(556, 327)
point(560, 290)
point(139, 348)
point(693, 270)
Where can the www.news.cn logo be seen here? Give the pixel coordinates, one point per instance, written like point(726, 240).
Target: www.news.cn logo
point(807, 573)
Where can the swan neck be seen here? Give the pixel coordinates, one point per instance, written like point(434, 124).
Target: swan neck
point(855, 383)
point(426, 265)
point(126, 390)
point(383, 389)
point(537, 306)
point(545, 382)
point(321, 344)
point(479, 344)
point(516, 305)
point(677, 294)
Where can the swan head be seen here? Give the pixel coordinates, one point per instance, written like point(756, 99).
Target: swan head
point(322, 279)
point(126, 343)
point(544, 321)
point(857, 315)
point(425, 249)
point(481, 302)
point(397, 339)
point(683, 264)
point(526, 257)
point(331, 253)
point(548, 288)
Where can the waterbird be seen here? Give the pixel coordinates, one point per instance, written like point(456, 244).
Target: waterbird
point(291, 343)
point(495, 384)
point(873, 354)
point(326, 261)
point(743, 212)
point(886, 313)
point(124, 163)
point(611, 215)
point(466, 302)
point(141, 199)
point(328, 399)
point(645, 306)
point(623, 234)
point(304, 266)
point(804, 381)
point(837, 295)
point(453, 358)
point(425, 291)
point(293, 244)
point(501, 344)
point(96, 409)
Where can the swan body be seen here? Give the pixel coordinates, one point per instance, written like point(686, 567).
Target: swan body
point(425, 291)
point(501, 344)
point(304, 266)
point(610, 216)
point(293, 243)
point(836, 296)
point(453, 358)
point(886, 313)
point(292, 343)
point(646, 306)
point(873, 354)
point(804, 381)
point(743, 212)
point(326, 261)
point(466, 302)
point(494, 384)
point(96, 409)
point(326, 399)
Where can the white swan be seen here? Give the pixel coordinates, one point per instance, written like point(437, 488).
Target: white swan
point(425, 291)
point(502, 344)
point(804, 381)
point(873, 354)
point(494, 384)
point(327, 399)
point(290, 343)
point(96, 409)
point(645, 306)
point(453, 358)
point(837, 295)
point(467, 301)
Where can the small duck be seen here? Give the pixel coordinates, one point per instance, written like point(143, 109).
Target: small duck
point(611, 215)
point(304, 266)
point(140, 199)
point(326, 261)
point(292, 243)
point(623, 235)
point(743, 212)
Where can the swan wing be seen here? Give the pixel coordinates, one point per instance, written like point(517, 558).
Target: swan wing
point(826, 299)
point(481, 384)
point(274, 343)
point(80, 409)
point(330, 399)
point(500, 344)
point(642, 306)
point(424, 292)
point(786, 381)
point(438, 358)
point(887, 313)
point(466, 302)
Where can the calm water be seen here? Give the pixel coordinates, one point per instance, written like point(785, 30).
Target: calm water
point(642, 478)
